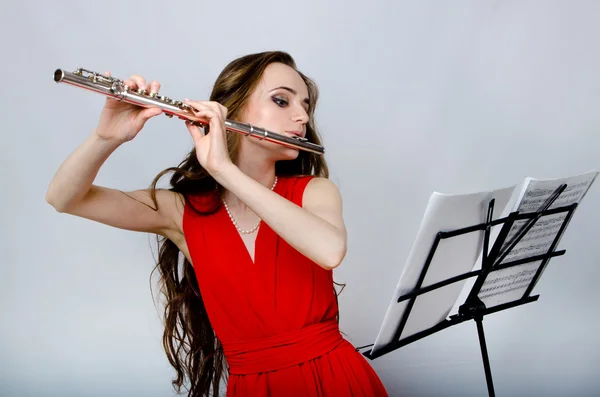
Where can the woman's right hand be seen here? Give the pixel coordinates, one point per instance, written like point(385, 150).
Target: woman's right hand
point(120, 121)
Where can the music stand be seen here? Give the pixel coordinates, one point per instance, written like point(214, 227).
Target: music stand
point(473, 308)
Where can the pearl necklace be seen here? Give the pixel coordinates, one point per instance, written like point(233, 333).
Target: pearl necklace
point(250, 231)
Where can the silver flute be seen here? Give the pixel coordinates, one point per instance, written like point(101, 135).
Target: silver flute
point(115, 88)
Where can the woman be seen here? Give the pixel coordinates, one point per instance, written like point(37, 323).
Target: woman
point(260, 228)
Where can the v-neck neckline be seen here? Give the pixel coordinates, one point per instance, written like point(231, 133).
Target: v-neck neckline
point(238, 237)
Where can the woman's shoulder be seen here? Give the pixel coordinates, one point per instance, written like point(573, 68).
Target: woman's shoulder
point(298, 187)
point(296, 182)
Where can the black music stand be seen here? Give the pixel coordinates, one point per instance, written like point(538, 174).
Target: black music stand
point(473, 308)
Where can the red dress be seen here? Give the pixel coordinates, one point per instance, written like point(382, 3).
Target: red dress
point(276, 316)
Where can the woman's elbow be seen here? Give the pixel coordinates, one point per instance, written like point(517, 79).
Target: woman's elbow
point(336, 255)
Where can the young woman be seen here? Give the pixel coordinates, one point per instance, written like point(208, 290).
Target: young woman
point(260, 229)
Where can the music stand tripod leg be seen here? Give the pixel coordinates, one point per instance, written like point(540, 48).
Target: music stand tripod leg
point(484, 355)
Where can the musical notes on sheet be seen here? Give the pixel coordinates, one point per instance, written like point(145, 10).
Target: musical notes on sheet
point(507, 285)
point(540, 238)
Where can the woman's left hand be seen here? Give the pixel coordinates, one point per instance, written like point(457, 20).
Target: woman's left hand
point(211, 149)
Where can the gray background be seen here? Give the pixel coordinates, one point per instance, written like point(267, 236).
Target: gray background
point(416, 96)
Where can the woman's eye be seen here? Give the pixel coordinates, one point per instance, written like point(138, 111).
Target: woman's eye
point(279, 101)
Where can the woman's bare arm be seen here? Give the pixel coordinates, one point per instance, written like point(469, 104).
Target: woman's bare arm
point(316, 229)
point(72, 191)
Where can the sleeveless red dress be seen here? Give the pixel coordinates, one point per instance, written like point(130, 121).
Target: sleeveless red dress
point(275, 316)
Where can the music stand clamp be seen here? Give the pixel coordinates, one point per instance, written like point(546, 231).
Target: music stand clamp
point(473, 308)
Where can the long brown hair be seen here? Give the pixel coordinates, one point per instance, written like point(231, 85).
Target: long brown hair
point(188, 338)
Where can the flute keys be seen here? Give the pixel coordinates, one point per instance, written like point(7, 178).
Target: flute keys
point(185, 106)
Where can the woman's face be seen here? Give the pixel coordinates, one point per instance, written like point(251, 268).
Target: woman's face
point(279, 104)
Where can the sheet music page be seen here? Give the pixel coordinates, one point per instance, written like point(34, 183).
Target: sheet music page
point(453, 256)
point(510, 284)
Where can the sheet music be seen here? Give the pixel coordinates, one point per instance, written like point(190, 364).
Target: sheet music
point(507, 285)
point(533, 194)
point(443, 213)
point(510, 284)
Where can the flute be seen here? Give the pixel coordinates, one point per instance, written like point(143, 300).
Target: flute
point(115, 88)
